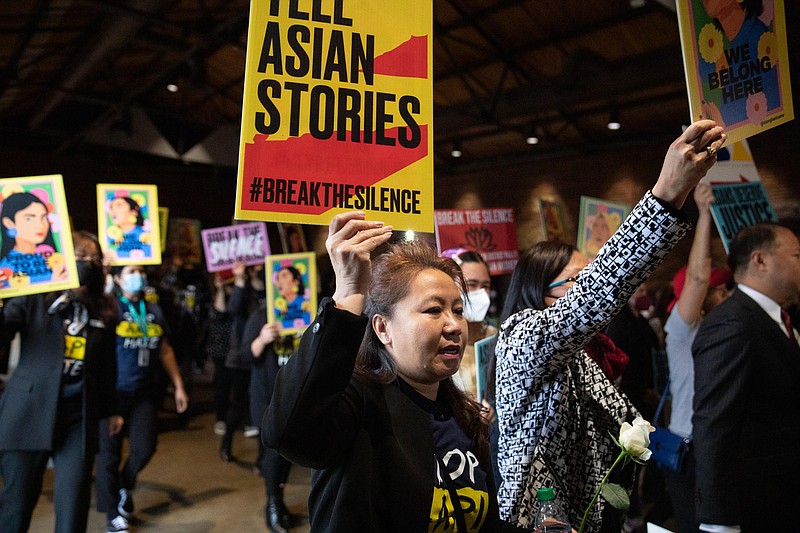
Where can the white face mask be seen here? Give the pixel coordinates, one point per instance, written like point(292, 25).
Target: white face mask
point(476, 305)
point(132, 283)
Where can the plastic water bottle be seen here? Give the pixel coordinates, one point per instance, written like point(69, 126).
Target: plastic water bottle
point(550, 517)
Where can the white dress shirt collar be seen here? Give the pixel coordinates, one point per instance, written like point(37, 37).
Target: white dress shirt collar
point(766, 303)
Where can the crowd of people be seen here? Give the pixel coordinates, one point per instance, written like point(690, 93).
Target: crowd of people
point(97, 364)
point(381, 396)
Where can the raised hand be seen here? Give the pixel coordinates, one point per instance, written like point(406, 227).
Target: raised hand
point(351, 240)
point(703, 197)
point(688, 159)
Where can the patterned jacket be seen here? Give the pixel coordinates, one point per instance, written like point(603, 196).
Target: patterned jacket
point(556, 408)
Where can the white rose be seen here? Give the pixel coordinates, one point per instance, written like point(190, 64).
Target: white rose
point(636, 438)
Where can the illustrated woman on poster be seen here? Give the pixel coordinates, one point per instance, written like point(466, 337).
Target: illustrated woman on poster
point(602, 226)
point(28, 249)
point(290, 310)
point(739, 61)
point(129, 233)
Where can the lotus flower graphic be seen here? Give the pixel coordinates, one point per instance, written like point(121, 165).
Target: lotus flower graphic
point(478, 239)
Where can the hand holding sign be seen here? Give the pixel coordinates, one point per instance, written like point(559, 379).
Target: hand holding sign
point(351, 240)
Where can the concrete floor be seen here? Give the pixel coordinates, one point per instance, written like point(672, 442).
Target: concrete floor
point(187, 489)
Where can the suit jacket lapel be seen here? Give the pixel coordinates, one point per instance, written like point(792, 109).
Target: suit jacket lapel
point(763, 324)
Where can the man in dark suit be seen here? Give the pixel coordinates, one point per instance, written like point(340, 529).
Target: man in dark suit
point(747, 399)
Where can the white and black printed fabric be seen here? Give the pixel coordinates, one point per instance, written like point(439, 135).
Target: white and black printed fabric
point(556, 408)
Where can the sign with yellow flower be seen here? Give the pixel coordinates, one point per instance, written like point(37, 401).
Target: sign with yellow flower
point(36, 253)
point(291, 291)
point(736, 62)
point(128, 223)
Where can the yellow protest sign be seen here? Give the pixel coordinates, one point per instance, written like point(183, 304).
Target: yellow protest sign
point(338, 112)
point(736, 64)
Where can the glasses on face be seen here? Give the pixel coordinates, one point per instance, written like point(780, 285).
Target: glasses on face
point(562, 282)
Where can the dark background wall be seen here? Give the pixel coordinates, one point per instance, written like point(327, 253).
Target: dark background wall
point(620, 175)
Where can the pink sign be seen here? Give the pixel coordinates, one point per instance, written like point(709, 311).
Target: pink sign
point(228, 245)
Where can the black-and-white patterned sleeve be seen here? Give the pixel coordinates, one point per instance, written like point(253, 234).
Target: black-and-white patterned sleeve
point(539, 342)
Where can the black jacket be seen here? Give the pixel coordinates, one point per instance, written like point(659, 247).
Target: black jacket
point(371, 445)
point(746, 422)
point(29, 403)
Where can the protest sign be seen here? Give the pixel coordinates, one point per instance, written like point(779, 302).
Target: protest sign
point(734, 165)
point(293, 239)
point(163, 223)
point(36, 253)
point(599, 219)
point(738, 205)
point(490, 232)
point(338, 113)
point(128, 223)
point(242, 243)
point(736, 64)
point(183, 240)
point(552, 220)
point(291, 290)
point(483, 357)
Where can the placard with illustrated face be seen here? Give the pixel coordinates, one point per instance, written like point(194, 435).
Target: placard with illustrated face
point(599, 220)
point(291, 291)
point(36, 253)
point(128, 223)
point(736, 62)
point(552, 220)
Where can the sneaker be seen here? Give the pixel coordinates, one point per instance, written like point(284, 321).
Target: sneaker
point(125, 505)
point(251, 431)
point(117, 525)
point(219, 427)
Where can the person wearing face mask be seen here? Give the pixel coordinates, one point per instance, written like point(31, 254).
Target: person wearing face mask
point(64, 383)
point(557, 404)
point(476, 305)
point(141, 350)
